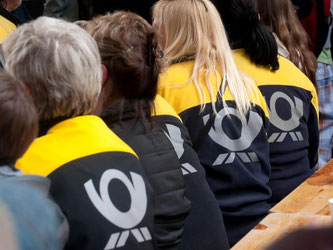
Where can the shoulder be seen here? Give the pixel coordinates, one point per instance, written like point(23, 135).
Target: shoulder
point(162, 107)
point(70, 140)
point(287, 75)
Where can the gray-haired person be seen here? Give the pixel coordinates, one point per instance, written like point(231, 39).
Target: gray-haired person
point(97, 179)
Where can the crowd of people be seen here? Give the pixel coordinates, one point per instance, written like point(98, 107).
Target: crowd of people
point(170, 125)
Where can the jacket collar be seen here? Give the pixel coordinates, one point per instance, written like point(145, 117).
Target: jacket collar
point(9, 16)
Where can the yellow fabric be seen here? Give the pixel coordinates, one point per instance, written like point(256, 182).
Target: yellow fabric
point(287, 75)
point(162, 107)
point(69, 140)
point(6, 28)
point(174, 88)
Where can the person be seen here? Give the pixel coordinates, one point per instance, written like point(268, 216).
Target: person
point(97, 179)
point(41, 224)
point(132, 62)
point(304, 239)
point(66, 9)
point(293, 42)
point(315, 18)
point(291, 97)
point(222, 109)
point(8, 22)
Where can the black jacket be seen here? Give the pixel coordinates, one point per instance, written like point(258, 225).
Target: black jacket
point(98, 182)
point(166, 156)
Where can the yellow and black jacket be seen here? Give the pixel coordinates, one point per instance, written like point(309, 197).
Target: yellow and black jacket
point(234, 153)
point(8, 23)
point(293, 133)
point(97, 181)
point(170, 162)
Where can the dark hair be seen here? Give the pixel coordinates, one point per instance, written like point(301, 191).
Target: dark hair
point(128, 47)
point(245, 31)
point(19, 121)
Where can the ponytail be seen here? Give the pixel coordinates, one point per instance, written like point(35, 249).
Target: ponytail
point(247, 32)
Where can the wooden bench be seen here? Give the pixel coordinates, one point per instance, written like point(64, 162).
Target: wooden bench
point(306, 205)
point(276, 225)
point(312, 196)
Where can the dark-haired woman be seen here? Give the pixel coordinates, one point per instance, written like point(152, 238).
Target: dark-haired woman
point(8, 22)
point(291, 97)
point(146, 122)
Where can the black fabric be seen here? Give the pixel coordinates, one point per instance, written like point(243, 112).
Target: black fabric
point(9, 16)
point(89, 229)
point(162, 168)
point(142, 7)
point(240, 184)
point(204, 227)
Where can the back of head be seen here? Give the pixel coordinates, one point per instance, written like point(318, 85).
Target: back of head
point(60, 64)
point(246, 31)
point(18, 124)
point(193, 30)
point(281, 18)
point(128, 47)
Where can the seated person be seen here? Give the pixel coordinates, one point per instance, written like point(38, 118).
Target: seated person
point(37, 223)
point(132, 63)
point(291, 98)
point(97, 179)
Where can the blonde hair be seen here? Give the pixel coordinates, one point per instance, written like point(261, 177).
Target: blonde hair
point(193, 29)
point(60, 64)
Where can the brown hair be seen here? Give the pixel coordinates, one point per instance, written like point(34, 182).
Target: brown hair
point(280, 18)
point(19, 121)
point(128, 47)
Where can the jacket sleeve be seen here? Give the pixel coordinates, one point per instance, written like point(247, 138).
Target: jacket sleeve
point(313, 128)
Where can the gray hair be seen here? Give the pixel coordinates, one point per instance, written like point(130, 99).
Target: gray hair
point(60, 64)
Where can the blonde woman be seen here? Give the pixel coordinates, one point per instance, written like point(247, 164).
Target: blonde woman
point(224, 112)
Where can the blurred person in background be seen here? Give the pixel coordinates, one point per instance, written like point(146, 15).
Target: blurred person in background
point(87, 163)
point(293, 42)
point(8, 22)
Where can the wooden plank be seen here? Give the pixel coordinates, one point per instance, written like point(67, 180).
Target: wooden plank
point(312, 196)
point(276, 225)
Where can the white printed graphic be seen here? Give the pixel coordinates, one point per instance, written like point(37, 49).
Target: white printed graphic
point(289, 125)
point(178, 144)
point(249, 131)
point(125, 220)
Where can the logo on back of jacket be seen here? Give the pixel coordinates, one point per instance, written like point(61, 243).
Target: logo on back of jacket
point(129, 220)
point(287, 126)
point(238, 147)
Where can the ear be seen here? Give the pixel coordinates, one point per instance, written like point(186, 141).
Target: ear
point(105, 74)
point(27, 90)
